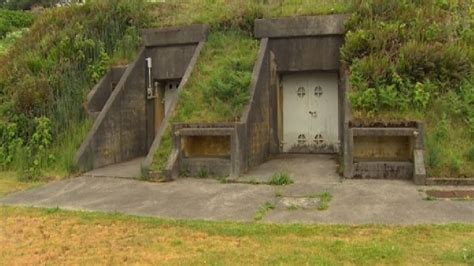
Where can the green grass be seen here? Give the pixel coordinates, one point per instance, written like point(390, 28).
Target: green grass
point(222, 14)
point(280, 179)
point(324, 198)
point(53, 236)
point(264, 209)
point(219, 86)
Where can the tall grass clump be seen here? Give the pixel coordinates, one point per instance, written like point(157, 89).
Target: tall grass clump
point(413, 60)
point(49, 72)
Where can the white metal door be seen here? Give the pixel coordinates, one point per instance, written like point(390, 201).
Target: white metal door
point(310, 112)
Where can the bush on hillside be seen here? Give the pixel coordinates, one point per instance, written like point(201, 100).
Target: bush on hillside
point(405, 53)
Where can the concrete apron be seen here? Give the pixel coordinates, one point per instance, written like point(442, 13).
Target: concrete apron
point(353, 201)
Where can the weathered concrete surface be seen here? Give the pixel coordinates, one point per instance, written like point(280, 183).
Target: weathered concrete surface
point(310, 173)
point(380, 202)
point(354, 201)
point(184, 199)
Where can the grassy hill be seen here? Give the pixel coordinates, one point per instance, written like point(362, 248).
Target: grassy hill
point(409, 60)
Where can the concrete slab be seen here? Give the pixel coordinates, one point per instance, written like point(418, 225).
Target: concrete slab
point(379, 202)
point(129, 169)
point(310, 173)
point(353, 201)
point(184, 199)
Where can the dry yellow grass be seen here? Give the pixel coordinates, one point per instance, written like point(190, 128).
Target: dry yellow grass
point(33, 236)
point(9, 183)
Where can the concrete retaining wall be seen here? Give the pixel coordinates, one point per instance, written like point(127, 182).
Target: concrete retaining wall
point(256, 115)
point(118, 132)
point(101, 92)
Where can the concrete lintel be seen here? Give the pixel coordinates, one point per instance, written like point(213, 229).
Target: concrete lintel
point(175, 35)
point(409, 132)
point(206, 131)
point(301, 26)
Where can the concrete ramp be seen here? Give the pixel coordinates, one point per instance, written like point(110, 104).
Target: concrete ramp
point(128, 169)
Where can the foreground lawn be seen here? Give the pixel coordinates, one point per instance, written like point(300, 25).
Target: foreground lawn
point(32, 236)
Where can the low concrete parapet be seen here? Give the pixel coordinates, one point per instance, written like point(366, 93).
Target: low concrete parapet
point(205, 149)
point(387, 151)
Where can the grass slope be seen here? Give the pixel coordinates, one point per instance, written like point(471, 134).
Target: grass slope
point(52, 236)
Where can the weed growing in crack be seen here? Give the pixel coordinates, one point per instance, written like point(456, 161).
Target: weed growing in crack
point(292, 207)
point(264, 209)
point(324, 198)
point(281, 179)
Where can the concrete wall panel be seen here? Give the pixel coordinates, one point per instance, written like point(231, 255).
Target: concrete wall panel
point(307, 53)
point(170, 62)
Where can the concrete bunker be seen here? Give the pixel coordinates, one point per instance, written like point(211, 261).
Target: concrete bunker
point(131, 104)
point(295, 102)
point(298, 104)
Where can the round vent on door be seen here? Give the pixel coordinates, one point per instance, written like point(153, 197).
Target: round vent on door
point(318, 139)
point(301, 92)
point(318, 91)
point(301, 139)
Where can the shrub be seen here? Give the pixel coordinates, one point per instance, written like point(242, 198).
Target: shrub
point(455, 165)
point(13, 20)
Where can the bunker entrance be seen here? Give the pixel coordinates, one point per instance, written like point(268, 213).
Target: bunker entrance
point(309, 112)
point(160, 97)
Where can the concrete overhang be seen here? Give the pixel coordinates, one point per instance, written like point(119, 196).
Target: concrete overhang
point(301, 26)
point(175, 35)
